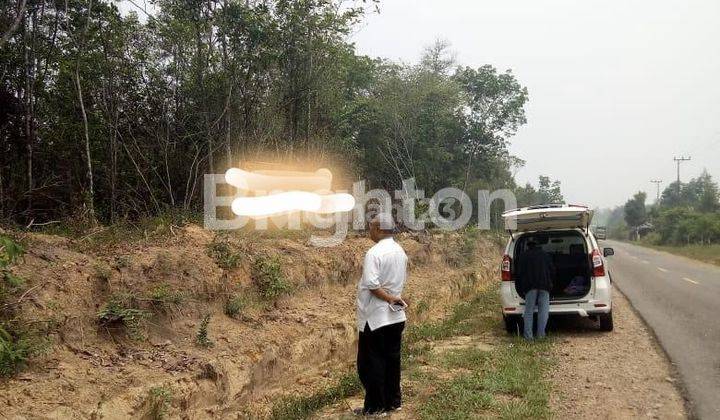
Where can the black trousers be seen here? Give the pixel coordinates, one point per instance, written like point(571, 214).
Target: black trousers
point(378, 365)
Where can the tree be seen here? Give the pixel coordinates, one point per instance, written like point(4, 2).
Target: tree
point(107, 116)
point(704, 193)
point(548, 192)
point(699, 193)
point(635, 213)
point(495, 109)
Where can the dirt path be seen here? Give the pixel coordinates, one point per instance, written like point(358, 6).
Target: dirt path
point(623, 374)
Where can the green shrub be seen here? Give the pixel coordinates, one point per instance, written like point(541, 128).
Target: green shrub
point(165, 297)
point(159, 400)
point(235, 305)
point(121, 309)
point(225, 257)
point(10, 252)
point(267, 276)
point(203, 338)
point(14, 352)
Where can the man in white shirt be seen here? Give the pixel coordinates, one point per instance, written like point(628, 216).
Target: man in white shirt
point(381, 318)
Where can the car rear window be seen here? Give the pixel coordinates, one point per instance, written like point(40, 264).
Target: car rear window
point(553, 242)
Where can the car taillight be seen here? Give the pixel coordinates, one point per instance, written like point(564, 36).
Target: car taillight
point(505, 270)
point(597, 263)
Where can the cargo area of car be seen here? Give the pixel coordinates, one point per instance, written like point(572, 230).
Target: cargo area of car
point(570, 257)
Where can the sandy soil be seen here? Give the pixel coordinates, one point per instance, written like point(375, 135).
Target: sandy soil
point(618, 375)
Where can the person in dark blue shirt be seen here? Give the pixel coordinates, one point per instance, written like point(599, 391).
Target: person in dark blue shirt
point(535, 281)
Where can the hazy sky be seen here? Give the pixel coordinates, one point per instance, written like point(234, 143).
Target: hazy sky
point(617, 88)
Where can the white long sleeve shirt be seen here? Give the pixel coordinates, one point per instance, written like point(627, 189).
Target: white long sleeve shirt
point(385, 267)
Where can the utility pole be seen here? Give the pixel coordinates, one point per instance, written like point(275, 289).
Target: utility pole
point(657, 182)
point(679, 160)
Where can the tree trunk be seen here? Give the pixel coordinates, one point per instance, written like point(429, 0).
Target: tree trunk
point(113, 170)
point(29, 117)
point(2, 193)
point(89, 196)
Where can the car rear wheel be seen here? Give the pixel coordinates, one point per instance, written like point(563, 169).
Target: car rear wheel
point(606, 322)
point(513, 324)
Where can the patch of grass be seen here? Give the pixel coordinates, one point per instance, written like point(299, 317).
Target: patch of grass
point(706, 253)
point(302, 407)
point(223, 253)
point(269, 279)
point(164, 297)
point(159, 400)
point(507, 383)
point(466, 358)
point(122, 261)
point(467, 318)
point(203, 338)
point(13, 282)
point(421, 307)
point(235, 306)
point(122, 310)
point(102, 272)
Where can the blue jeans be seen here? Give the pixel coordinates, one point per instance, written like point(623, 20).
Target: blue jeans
point(542, 298)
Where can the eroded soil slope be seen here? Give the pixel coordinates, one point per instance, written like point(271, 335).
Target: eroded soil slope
point(271, 348)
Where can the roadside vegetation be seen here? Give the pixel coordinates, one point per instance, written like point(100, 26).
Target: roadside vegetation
point(705, 253)
point(123, 310)
point(158, 402)
point(224, 254)
point(19, 341)
point(268, 277)
point(686, 220)
point(202, 338)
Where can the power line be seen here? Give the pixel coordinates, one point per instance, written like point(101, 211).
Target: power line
point(657, 183)
point(680, 160)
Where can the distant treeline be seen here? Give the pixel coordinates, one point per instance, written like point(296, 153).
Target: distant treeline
point(104, 116)
point(688, 213)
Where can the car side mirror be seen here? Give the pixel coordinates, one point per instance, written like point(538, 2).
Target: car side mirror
point(608, 252)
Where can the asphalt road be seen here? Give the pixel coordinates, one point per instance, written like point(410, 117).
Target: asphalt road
point(680, 299)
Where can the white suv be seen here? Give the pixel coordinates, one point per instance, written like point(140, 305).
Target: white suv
point(582, 284)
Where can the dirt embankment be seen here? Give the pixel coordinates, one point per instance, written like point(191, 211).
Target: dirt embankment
point(294, 344)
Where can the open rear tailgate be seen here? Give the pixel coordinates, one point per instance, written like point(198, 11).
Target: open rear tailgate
point(547, 217)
